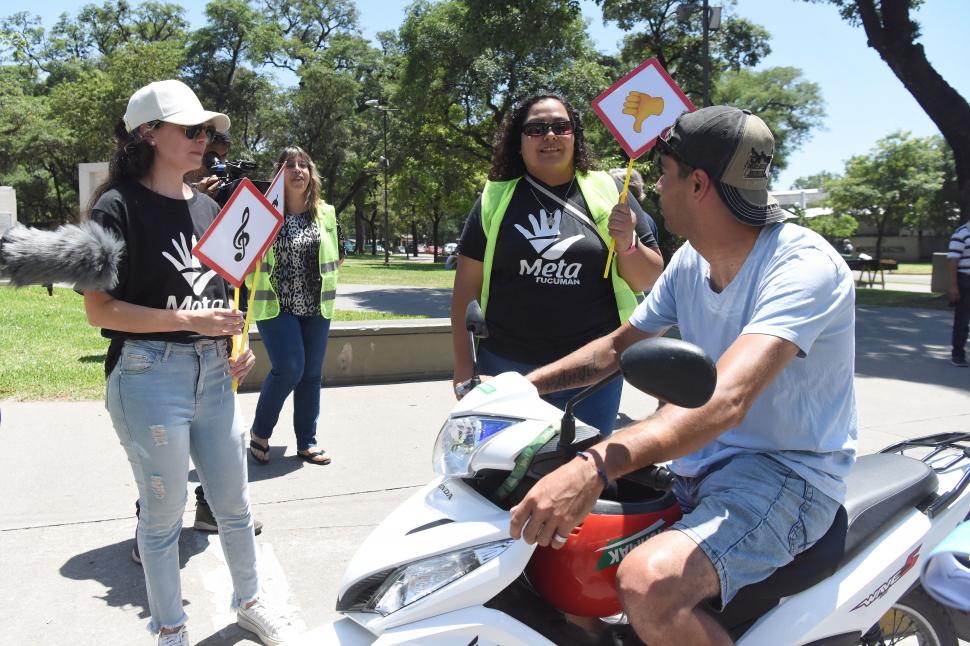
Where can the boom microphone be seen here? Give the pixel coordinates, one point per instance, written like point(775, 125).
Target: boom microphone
point(87, 255)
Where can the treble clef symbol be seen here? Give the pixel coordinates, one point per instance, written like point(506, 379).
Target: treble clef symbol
point(241, 239)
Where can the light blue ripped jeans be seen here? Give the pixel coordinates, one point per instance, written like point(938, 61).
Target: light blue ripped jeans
point(168, 401)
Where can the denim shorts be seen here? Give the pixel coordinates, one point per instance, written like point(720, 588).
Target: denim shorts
point(751, 515)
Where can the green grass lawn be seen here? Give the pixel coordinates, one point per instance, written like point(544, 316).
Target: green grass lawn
point(48, 350)
point(370, 270)
point(892, 298)
point(915, 268)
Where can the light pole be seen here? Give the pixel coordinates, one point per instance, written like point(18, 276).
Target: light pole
point(376, 104)
point(710, 20)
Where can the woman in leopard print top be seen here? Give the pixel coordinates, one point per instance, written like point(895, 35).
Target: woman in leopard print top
point(296, 337)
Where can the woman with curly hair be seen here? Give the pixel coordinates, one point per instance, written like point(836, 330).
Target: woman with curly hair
point(534, 248)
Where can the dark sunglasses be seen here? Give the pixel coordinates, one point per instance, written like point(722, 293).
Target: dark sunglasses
point(191, 132)
point(540, 128)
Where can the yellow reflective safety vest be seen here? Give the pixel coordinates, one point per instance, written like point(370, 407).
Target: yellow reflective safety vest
point(266, 304)
point(600, 193)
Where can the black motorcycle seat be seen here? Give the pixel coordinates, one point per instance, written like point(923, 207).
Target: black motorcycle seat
point(879, 488)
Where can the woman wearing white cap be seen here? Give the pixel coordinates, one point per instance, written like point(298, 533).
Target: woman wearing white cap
point(168, 367)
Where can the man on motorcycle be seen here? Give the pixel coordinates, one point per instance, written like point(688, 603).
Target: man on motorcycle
point(760, 466)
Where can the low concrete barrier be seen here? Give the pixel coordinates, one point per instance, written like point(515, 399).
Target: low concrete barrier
point(363, 352)
point(940, 281)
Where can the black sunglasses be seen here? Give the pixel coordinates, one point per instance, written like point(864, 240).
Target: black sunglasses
point(191, 132)
point(540, 128)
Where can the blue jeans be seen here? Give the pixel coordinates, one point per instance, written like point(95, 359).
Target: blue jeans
point(599, 410)
point(168, 401)
point(751, 515)
point(296, 346)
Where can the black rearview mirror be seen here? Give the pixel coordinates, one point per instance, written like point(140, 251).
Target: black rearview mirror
point(671, 370)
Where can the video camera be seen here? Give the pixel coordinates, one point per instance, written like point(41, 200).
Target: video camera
point(230, 173)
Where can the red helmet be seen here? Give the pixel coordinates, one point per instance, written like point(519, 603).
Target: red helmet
point(580, 577)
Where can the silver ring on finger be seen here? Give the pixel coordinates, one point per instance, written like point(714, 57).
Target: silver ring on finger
point(559, 538)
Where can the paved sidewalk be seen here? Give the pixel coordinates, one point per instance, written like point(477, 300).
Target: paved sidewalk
point(68, 516)
point(431, 302)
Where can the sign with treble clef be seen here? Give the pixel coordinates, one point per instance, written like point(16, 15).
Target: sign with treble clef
point(274, 194)
point(240, 234)
point(241, 239)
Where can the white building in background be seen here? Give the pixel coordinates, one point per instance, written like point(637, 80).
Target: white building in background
point(803, 198)
point(89, 177)
point(906, 246)
point(8, 208)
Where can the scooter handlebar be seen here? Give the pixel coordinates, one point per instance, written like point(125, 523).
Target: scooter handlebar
point(653, 476)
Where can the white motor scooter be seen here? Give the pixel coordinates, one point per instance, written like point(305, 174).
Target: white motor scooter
point(441, 569)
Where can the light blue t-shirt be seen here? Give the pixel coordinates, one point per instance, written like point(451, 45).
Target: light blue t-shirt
point(793, 285)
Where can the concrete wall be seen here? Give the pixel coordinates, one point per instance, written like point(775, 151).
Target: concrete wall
point(902, 248)
point(8, 208)
point(362, 352)
point(940, 280)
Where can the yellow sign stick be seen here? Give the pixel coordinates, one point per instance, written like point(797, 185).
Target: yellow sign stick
point(249, 315)
point(626, 186)
point(236, 341)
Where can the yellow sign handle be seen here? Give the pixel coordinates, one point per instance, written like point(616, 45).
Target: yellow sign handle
point(236, 340)
point(626, 187)
point(249, 316)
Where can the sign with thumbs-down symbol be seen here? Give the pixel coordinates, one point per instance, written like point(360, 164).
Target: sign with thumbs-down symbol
point(640, 106)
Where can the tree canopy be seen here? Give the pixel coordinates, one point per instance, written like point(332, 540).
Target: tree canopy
point(299, 71)
point(896, 185)
point(893, 32)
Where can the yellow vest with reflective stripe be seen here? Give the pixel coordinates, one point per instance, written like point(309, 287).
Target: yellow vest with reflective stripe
point(266, 304)
point(600, 193)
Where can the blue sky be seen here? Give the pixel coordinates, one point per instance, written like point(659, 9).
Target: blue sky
point(864, 100)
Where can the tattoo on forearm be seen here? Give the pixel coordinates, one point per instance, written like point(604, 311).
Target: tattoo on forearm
point(565, 379)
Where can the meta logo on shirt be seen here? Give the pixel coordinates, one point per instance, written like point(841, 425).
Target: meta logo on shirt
point(191, 270)
point(544, 238)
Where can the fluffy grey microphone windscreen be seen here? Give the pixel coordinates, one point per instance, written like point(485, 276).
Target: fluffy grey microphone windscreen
point(87, 255)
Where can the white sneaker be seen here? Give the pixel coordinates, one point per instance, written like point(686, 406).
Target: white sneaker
point(181, 638)
point(271, 625)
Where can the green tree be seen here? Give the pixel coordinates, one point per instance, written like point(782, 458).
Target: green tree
point(465, 64)
point(791, 106)
point(296, 32)
point(834, 227)
point(894, 34)
point(831, 227)
point(892, 187)
point(655, 30)
point(820, 180)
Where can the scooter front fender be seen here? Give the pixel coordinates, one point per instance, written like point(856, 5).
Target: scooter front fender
point(477, 625)
point(446, 515)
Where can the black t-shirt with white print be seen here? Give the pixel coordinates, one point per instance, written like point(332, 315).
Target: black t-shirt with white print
point(158, 269)
point(547, 295)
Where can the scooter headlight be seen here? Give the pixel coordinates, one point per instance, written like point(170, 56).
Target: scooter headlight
point(460, 438)
point(411, 582)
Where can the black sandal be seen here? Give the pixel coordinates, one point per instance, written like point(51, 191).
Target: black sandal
point(311, 455)
point(256, 446)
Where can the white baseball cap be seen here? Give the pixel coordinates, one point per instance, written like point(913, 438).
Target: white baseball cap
point(172, 101)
